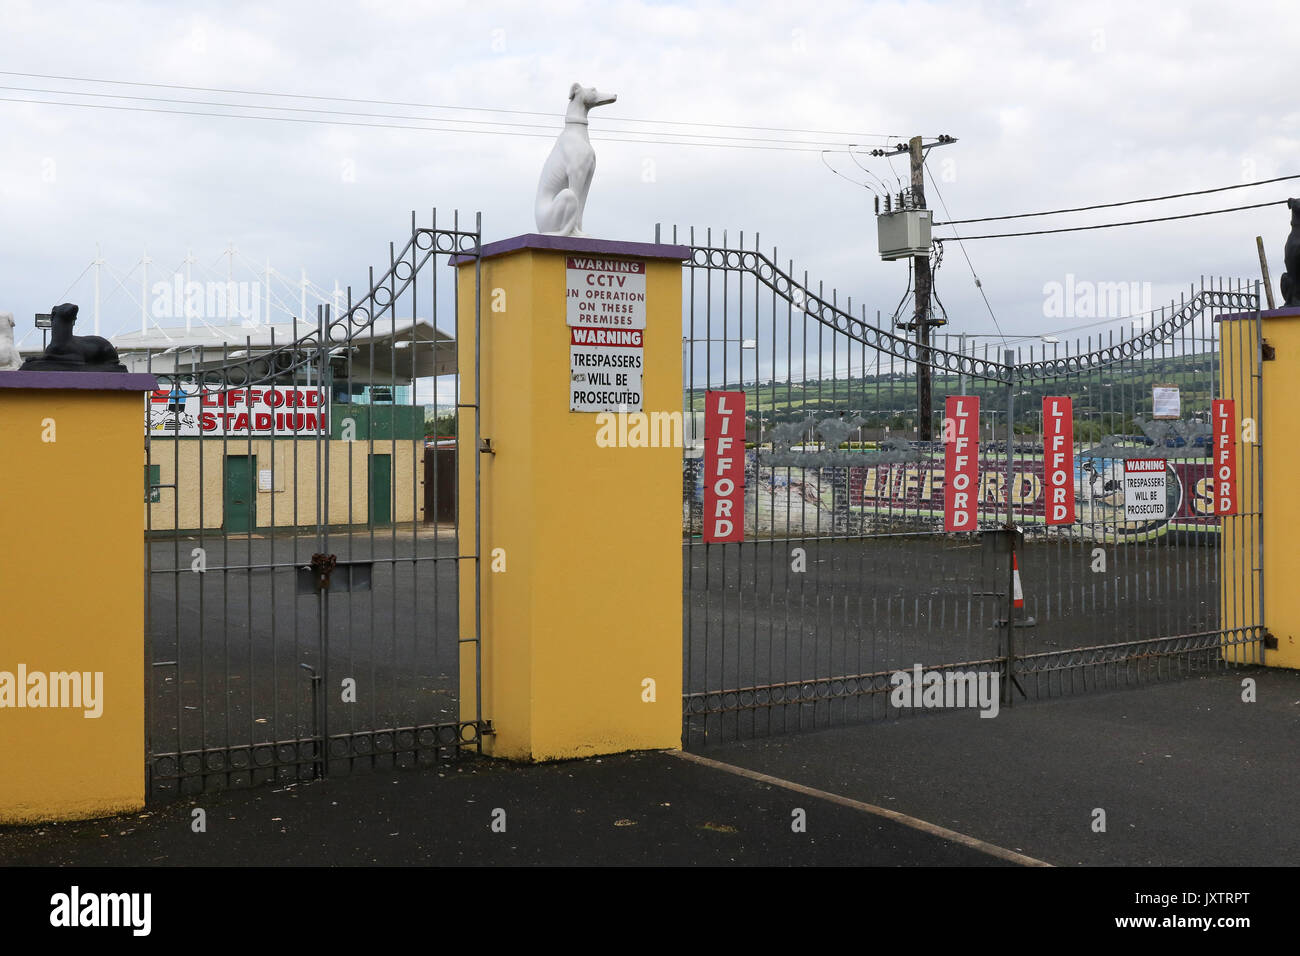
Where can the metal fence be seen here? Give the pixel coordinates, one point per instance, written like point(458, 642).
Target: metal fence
point(846, 577)
point(302, 608)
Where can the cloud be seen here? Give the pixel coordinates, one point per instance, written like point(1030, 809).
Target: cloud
point(1054, 105)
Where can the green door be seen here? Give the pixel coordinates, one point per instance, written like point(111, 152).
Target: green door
point(240, 494)
point(381, 489)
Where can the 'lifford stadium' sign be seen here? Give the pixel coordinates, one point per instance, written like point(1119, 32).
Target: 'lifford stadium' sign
point(293, 410)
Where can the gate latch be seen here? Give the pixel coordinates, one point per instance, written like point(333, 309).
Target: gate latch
point(322, 565)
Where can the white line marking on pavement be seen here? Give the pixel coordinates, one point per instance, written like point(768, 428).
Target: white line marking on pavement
point(934, 829)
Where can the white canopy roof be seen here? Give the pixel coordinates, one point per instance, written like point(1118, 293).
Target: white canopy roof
point(391, 351)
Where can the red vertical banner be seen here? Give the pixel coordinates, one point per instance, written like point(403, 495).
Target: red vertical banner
point(1058, 460)
point(724, 466)
point(1224, 413)
point(961, 461)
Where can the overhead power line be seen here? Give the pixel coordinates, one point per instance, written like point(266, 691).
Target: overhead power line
point(649, 139)
point(840, 174)
point(1131, 222)
point(1126, 202)
point(811, 148)
point(393, 116)
point(960, 245)
point(432, 106)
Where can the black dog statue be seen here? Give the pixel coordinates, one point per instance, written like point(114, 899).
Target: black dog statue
point(1290, 280)
point(73, 353)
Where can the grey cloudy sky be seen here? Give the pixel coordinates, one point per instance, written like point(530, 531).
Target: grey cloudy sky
point(1055, 104)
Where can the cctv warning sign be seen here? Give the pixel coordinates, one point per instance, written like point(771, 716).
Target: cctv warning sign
point(724, 466)
point(605, 293)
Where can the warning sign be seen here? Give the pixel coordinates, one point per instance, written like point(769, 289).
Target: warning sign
point(605, 293)
point(1144, 489)
point(605, 368)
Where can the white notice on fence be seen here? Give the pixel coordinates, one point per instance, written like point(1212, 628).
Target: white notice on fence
point(1165, 402)
point(605, 293)
point(605, 370)
point(1144, 489)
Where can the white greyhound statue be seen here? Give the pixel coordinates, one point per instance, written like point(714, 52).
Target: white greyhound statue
point(566, 177)
point(10, 360)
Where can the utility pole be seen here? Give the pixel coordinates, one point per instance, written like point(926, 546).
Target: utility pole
point(922, 315)
point(921, 320)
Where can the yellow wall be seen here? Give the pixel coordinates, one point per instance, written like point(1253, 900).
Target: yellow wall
point(1281, 509)
point(590, 602)
point(294, 462)
point(72, 589)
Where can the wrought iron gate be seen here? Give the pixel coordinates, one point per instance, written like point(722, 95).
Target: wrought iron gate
point(846, 577)
point(302, 607)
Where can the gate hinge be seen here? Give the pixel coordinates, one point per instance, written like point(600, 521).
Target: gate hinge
point(1267, 352)
point(485, 447)
point(1270, 641)
point(322, 566)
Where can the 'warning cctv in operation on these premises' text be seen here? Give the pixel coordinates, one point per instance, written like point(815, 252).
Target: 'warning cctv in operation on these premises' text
point(605, 293)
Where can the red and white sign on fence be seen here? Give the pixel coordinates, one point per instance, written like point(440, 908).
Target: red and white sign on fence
point(248, 412)
point(1058, 464)
point(724, 466)
point(961, 461)
point(1224, 412)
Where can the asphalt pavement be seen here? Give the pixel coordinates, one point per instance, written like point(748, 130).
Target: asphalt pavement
point(1186, 772)
point(646, 808)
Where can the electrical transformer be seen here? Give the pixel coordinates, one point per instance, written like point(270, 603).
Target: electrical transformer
point(904, 233)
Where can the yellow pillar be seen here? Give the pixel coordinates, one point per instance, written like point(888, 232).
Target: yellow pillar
point(1262, 535)
point(581, 603)
point(72, 741)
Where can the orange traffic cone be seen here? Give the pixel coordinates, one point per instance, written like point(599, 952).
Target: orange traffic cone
point(1017, 599)
point(1017, 595)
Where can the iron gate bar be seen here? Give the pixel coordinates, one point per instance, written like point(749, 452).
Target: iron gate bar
point(811, 629)
point(206, 748)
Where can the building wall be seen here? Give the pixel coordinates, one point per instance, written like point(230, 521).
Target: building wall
point(197, 467)
point(378, 421)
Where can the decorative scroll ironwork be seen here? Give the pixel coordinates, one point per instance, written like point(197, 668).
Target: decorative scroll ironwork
point(755, 263)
